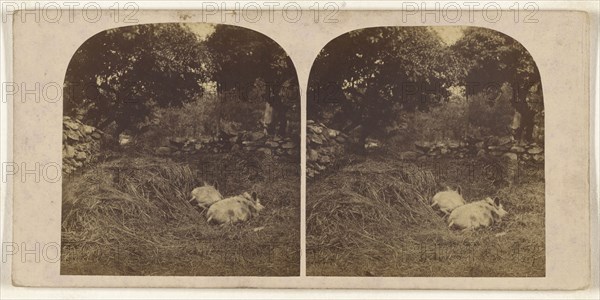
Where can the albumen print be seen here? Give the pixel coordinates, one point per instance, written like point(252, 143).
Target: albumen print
point(342, 149)
point(181, 154)
point(425, 150)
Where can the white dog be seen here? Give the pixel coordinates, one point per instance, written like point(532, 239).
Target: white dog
point(235, 209)
point(206, 195)
point(448, 200)
point(477, 214)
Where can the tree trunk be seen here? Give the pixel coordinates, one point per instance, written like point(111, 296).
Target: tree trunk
point(281, 120)
point(362, 140)
point(274, 116)
point(527, 121)
point(268, 118)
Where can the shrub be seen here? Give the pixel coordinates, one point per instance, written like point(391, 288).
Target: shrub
point(209, 113)
point(490, 115)
point(483, 114)
point(193, 119)
point(444, 122)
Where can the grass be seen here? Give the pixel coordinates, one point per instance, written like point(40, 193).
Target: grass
point(372, 218)
point(129, 215)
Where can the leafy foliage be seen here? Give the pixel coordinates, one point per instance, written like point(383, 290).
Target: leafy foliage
point(464, 116)
point(493, 59)
point(490, 118)
point(122, 78)
point(367, 77)
point(242, 56)
point(121, 74)
point(248, 63)
point(185, 120)
point(448, 121)
point(378, 72)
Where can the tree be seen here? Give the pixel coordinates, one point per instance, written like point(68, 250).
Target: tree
point(246, 60)
point(493, 59)
point(120, 75)
point(365, 77)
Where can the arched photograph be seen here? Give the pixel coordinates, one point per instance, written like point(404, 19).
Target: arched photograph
point(181, 154)
point(425, 155)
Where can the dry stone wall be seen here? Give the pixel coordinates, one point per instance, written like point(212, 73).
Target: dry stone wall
point(495, 146)
point(81, 143)
point(324, 147)
point(247, 141)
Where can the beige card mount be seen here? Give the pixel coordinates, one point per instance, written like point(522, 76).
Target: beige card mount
point(350, 149)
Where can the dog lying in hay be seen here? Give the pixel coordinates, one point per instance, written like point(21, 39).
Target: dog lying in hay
point(448, 200)
point(206, 195)
point(483, 213)
point(236, 209)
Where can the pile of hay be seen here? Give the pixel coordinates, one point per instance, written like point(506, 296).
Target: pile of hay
point(131, 216)
point(361, 203)
point(137, 198)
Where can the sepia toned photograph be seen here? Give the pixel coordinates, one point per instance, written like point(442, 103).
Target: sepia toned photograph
point(181, 154)
point(312, 148)
point(425, 155)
